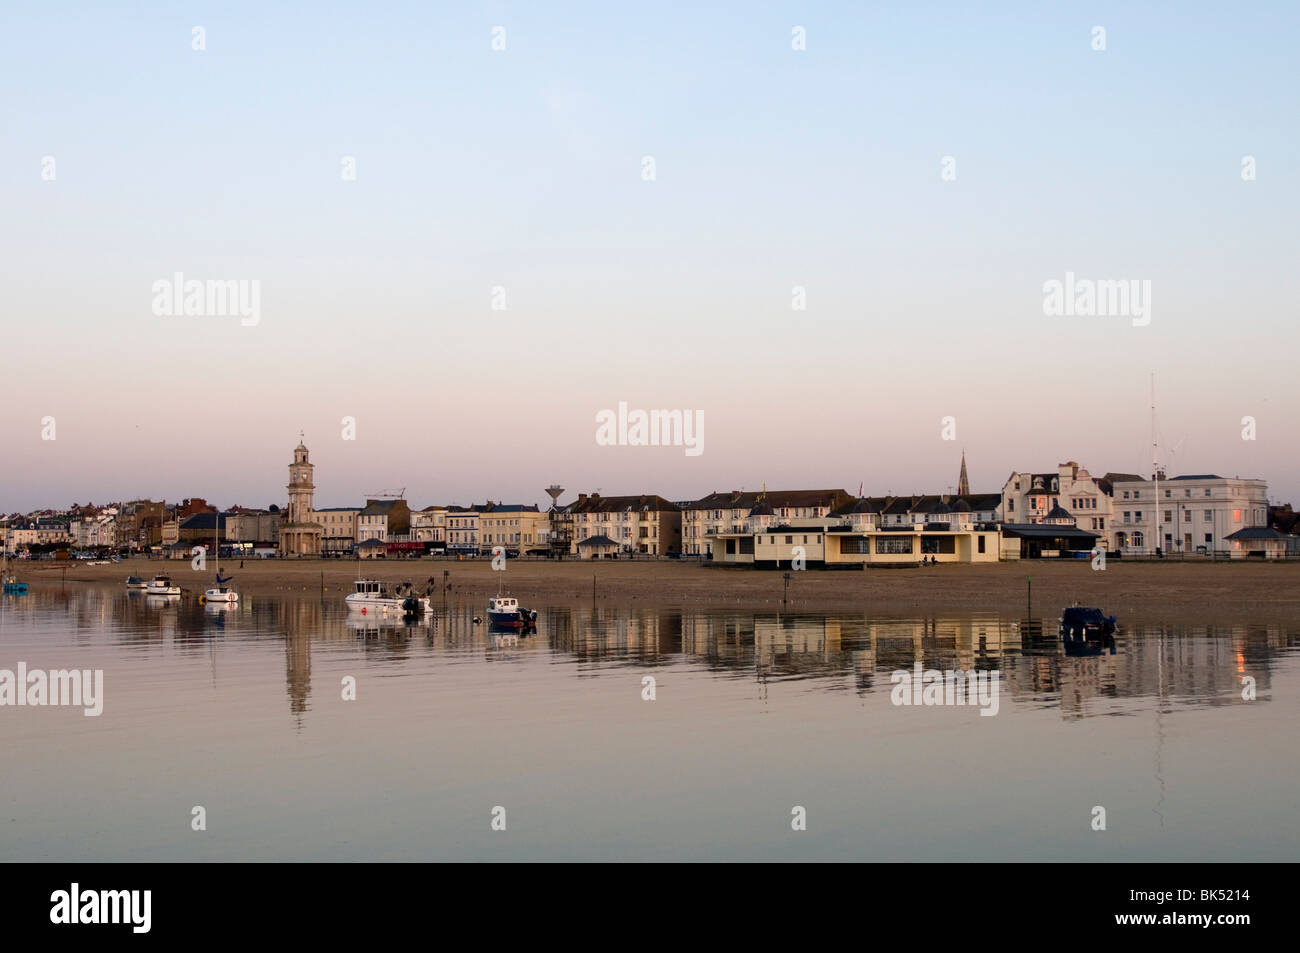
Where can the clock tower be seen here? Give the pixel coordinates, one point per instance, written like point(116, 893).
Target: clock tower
point(300, 535)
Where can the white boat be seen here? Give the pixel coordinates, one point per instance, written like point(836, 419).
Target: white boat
point(220, 594)
point(371, 595)
point(162, 586)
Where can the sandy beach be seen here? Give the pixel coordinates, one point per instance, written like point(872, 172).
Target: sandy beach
point(1168, 591)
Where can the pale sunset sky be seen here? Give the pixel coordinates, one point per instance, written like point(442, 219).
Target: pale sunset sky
point(522, 168)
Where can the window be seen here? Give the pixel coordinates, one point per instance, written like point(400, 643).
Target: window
point(1207, 491)
point(789, 540)
point(938, 545)
point(1209, 537)
point(1138, 540)
point(893, 545)
point(981, 543)
point(1169, 516)
point(1209, 515)
point(1187, 516)
point(1187, 492)
point(1126, 494)
point(1168, 493)
point(1236, 516)
point(1127, 516)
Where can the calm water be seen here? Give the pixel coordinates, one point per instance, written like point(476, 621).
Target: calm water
point(241, 712)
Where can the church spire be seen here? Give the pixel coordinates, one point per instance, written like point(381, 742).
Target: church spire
point(963, 484)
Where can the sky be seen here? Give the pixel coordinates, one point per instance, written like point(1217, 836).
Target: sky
point(919, 170)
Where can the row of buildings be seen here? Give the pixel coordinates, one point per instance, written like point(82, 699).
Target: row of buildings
point(1066, 511)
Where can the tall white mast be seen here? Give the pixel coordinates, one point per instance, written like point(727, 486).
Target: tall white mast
point(1155, 463)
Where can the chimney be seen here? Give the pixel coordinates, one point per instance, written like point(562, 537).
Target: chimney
point(582, 497)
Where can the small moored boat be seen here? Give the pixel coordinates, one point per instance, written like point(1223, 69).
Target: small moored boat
point(162, 586)
point(11, 584)
point(220, 594)
point(135, 582)
point(371, 595)
point(1080, 622)
point(505, 611)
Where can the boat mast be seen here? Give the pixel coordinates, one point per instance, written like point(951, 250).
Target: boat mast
point(1155, 465)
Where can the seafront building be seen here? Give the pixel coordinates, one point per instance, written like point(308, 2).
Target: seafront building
point(596, 526)
point(520, 528)
point(338, 529)
point(857, 534)
point(384, 521)
point(1027, 497)
point(429, 527)
point(706, 518)
point(462, 529)
point(1196, 513)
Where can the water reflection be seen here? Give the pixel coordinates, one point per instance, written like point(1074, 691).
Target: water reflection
point(1148, 665)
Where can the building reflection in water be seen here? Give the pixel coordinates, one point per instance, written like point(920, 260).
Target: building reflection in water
point(1197, 665)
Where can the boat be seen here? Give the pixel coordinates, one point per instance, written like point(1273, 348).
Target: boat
point(371, 595)
point(135, 582)
point(11, 584)
point(220, 594)
point(1081, 622)
point(162, 586)
point(505, 612)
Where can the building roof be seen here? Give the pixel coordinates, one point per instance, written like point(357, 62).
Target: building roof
point(1256, 532)
point(599, 540)
point(646, 502)
point(1199, 476)
point(1059, 513)
point(379, 507)
point(748, 499)
point(204, 521)
point(864, 504)
point(1044, 530)
point(371, 544)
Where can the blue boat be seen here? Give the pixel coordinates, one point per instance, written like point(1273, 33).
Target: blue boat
point(1078, 622)
point(504, 611)
point(1086, 631)
point(14, 587)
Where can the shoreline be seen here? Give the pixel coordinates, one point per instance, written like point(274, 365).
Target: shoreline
point(1203, 592)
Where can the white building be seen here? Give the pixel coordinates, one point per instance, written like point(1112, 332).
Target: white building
point(462, 529)
point(429, 525)
point(1192, 514)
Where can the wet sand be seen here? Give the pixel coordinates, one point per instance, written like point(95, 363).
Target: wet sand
point(1166, 591)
